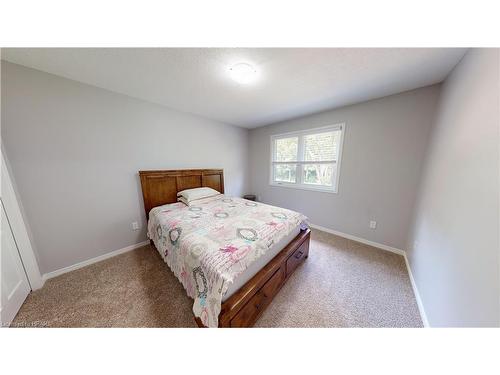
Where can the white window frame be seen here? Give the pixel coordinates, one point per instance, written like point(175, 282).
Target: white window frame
point(300, 162)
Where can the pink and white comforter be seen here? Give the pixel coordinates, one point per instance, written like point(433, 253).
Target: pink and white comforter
point(208, 245)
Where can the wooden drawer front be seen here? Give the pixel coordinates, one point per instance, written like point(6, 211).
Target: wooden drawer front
point(296, 258)
point(249, 313)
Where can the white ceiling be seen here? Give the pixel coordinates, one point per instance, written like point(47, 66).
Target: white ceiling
point(291, 82)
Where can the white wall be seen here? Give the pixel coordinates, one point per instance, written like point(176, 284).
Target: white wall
point(454, 246)
point(75, 151)
point(383, 151)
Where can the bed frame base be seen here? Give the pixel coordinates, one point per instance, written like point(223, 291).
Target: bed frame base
point(244, 307)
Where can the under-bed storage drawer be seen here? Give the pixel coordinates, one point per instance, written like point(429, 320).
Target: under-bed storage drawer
point(251, 311)
point(297, 257)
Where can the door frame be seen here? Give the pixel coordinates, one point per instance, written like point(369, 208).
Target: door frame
point(18, 226)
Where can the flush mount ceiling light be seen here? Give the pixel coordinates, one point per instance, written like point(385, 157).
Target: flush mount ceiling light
point(243, 73)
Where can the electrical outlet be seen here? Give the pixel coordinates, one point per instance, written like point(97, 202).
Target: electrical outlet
point(373, 224)
point(135, 225)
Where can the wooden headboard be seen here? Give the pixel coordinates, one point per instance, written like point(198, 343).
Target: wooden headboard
point(161, 187)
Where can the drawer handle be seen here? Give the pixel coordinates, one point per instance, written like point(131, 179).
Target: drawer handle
point(298, 255)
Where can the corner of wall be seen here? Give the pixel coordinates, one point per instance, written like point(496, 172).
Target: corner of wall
point(421, 173)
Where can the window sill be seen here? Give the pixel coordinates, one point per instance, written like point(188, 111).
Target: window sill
point(304, 187)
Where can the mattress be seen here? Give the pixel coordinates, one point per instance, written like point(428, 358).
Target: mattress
point(260, 263)
point(216, 246)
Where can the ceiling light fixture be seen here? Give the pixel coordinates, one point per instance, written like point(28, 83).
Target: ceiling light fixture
point(243, 73)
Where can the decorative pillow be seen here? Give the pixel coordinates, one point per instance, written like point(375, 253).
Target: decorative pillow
point(197, 193)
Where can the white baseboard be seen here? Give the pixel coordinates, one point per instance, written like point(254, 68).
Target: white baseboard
point(420, 305)
point(76, 266)
point(358, 239)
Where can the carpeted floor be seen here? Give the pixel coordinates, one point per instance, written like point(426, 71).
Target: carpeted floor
point(342, 284)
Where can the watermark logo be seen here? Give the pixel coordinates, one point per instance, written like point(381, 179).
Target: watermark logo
point(32, 324)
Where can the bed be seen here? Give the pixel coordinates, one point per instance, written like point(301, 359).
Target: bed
point(231, 255)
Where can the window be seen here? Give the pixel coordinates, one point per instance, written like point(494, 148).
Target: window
point(308, 159)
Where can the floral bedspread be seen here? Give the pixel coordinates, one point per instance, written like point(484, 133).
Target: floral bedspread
point(208, 245)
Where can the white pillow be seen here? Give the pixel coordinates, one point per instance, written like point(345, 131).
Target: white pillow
point(197, 193)
point(197, 201)
point(183, 200)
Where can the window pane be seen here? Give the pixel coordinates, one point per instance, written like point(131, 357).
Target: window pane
point(285, 173)
point(319, 174)
point(286, 149)
point(321, 146)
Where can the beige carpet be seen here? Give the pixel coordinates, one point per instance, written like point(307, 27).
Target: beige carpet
point(342, 284)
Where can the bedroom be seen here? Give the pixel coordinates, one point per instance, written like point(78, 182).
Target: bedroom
point(266, 187)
